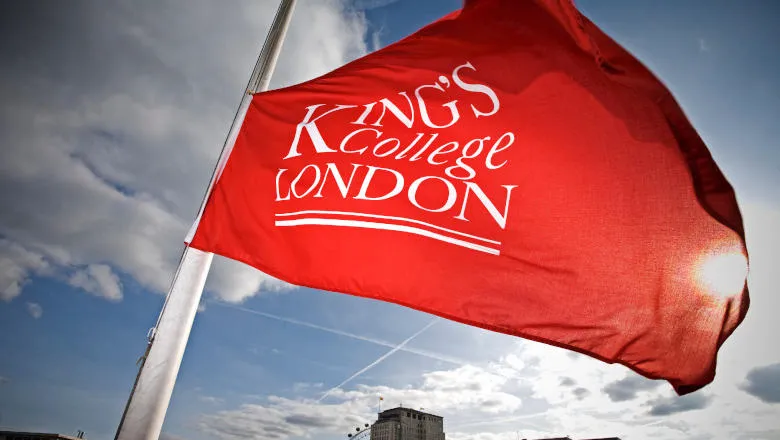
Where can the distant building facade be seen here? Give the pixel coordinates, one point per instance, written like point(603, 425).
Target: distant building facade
point(407, 424)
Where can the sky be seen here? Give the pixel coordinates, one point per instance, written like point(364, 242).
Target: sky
point(112, 114)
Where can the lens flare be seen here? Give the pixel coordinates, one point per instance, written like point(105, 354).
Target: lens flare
point(723, 273)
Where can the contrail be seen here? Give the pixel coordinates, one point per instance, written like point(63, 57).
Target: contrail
point(306, 324)
point(425, 353)
point(380, 359)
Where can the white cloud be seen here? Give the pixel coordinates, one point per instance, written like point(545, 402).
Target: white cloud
point(211, 400)
point(550, 366)
point(283, 418)
point(235, 281)
point(16, 265)
point(466, 387)
point(34, 309)
point(463, 389)
point(530, 391)
point(98, 279)
point(110, 132)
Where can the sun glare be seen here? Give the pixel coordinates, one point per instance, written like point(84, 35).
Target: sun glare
point(723, 273)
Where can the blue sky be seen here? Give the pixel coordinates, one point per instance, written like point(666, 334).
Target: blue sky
point(112, 116)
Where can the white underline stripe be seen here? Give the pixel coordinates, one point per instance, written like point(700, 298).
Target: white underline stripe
point(388, 227)
point(389, 217)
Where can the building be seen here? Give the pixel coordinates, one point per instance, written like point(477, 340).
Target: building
point(15, 435)
point(407, 424)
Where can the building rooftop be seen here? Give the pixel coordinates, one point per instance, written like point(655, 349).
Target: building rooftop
point(394, 412)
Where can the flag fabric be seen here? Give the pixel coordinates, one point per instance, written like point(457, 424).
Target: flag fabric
point(508, 166)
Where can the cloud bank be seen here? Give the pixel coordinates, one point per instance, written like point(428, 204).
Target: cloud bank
point(111, 121)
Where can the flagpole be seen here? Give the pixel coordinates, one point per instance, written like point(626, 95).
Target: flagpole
point(145, 410)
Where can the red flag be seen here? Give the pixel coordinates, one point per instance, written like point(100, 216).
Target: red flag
point(510, 167)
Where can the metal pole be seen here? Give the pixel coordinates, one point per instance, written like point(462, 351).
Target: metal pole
point(147, 405)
